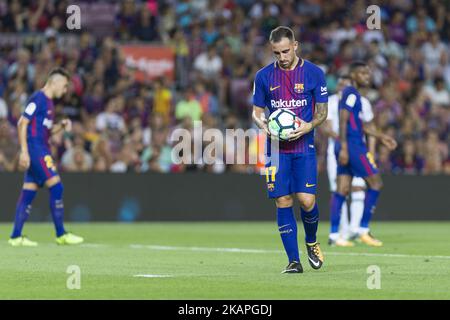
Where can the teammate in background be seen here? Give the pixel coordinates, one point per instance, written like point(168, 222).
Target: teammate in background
point(353, 156)
point(34, 129)
point(347, 231)
point(299, 85)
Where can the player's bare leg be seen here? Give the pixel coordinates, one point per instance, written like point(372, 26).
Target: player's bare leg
point(310, 218)
point(375, 184)
point(284, 201)
point(337, 201)
point(23, 211)
point(55, 188)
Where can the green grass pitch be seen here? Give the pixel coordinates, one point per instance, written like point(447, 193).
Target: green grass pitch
point(224, 260)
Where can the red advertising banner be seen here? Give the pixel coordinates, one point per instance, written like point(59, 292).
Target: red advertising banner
point(149, 62)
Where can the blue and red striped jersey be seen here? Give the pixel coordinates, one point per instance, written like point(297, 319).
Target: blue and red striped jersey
point(351, 101)
point(298, 90)
point(41, 112)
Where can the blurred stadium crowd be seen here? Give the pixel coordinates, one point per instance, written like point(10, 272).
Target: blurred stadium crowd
point(121, 125)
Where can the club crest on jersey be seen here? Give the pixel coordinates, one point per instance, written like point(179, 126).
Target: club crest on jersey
point(299, 87)
point(270, 186)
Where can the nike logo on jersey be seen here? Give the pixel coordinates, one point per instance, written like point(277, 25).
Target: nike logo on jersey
point(315, 263)
point(310, 185)
point(274, 88)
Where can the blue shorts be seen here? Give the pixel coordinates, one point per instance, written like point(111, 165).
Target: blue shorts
point(296, 172)
point(42, 167)
point(361, 162)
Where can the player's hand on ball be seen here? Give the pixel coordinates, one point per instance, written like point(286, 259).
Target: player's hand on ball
point(24, 161)
point(303, 129)
point(389, 142)
point(67, 125)
point(343, 156)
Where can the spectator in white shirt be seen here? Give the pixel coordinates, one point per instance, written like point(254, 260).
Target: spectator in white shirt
point(435, 54)
point(438, 94)
point(209, 63)
point(110, 119)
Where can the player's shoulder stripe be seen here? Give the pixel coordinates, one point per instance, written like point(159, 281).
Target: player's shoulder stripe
point(267, 68)
point(35, 94)
point(35, 97)
point(312, 66)
point(349, 90)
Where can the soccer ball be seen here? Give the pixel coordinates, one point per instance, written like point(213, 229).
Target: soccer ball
point(281, 123)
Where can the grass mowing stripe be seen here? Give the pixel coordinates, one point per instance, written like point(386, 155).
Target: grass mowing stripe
point(152, 276)
point(239, 250)
point(107, 263)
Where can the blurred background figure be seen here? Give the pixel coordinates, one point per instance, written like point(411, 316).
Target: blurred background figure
point(218, 46)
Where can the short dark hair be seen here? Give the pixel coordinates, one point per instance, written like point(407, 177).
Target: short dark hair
point(61, 71)
point(281, 32)
point(438, 80)
point(356, 64)
point(344, 76)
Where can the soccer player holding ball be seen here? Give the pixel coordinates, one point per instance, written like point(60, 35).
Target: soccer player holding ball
point(298, 85)
point(353, 157)
point(34, 129)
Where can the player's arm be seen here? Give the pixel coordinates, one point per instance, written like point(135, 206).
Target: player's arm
point(65, 124)
point(344, 115)
point(320, 114)
point(320, 94)
point(259, 101)
point(371, 130)
point(328, 130)
point(367, 116)
point(371, 140)
point(260, 119)
point(371, 144)
point(24, 157)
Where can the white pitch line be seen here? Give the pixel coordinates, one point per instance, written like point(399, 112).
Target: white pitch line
point(390, 255)
point(152, 276)
point(202, 249)
point(94, 245)
point(240, 250)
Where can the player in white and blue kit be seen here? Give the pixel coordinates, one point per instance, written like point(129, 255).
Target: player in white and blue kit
point(353, 156)
point(347, 229)
point(298, 85)
point(35, 127)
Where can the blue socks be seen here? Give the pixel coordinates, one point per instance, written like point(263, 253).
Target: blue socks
point(336, 205)
point(23, 210)
point(310, 223)
point(370, 203)
point(57, 208)
point(287, 227)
